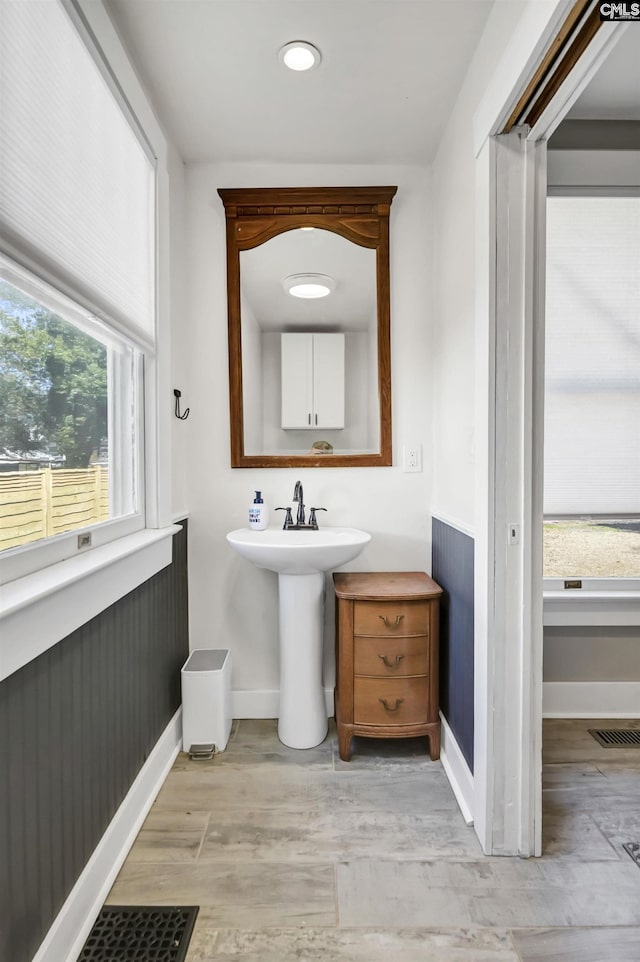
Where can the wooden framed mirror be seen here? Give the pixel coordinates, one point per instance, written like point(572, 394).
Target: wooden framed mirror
point(309, 374)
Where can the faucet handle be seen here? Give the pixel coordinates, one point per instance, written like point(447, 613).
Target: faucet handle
point(288, 520)
point(313, 522)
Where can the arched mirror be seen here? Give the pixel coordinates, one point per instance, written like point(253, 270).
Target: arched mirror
point(309, 340)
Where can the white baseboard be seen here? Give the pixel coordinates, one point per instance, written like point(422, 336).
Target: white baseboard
point(457, 771)
point(265, 703)
point(591, 699)
point(73, 923)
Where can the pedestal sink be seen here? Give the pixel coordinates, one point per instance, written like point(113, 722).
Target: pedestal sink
point(300, 559)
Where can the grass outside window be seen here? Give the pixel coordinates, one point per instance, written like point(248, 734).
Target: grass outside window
point(596, 548)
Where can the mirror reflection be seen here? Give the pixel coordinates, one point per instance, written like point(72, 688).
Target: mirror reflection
point(309, 321)
point(309, 326)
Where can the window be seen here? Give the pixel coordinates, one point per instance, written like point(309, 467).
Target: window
point(592, 389)
point(77, 290)
point(67, 417)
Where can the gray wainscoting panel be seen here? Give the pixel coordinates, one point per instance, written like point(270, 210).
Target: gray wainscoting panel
point(452, 568)
point(77, 725)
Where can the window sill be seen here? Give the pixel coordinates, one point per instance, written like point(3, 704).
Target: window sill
point(39, 610)
point(592, 605)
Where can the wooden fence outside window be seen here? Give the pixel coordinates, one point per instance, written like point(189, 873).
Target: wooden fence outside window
point(43, 503)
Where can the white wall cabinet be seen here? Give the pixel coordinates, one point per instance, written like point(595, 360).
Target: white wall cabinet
point(312, 381)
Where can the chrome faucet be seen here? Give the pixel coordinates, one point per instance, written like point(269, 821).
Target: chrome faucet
point(311, 524)
point(298, 496)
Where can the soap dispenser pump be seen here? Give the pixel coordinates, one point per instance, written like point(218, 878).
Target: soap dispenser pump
point(258, 513)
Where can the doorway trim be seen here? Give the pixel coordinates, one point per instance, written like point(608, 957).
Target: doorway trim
point(510, 267)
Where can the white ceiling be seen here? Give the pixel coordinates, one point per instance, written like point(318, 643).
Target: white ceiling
point(614, 92)
point(389, 77)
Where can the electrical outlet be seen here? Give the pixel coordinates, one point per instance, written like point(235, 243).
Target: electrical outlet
point(412, 458)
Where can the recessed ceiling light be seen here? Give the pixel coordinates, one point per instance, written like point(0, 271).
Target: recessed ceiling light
point(309, 285)
point(299, 55)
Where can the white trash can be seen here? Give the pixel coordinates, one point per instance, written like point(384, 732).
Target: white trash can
point(206, 698)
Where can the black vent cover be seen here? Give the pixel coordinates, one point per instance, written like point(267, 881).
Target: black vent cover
point(140, 933)
point(616, 737)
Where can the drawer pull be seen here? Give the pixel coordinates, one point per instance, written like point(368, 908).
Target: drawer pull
point(391, 664)
point(387, 707)
point(388, 624)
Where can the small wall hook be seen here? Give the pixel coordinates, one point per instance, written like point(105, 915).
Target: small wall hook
point(177, 395)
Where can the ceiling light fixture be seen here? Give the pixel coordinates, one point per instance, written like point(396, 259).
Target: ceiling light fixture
point(309, 285)
point(299, 55)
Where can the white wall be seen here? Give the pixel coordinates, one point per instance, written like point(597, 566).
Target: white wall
point(592, 654)
point(252, 383)
point(232, 603)
point(593, 168)
point(454, 185)
point(179, 345)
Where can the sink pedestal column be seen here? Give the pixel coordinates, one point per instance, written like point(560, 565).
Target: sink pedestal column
point(303, 714)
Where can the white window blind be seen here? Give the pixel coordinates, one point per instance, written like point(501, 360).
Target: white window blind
point(76, 184)
point(592, 356)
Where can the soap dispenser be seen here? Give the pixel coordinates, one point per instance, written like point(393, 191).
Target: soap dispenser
point(258, 513)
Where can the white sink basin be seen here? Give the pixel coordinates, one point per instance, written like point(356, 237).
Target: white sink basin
point(300, 559)
point(299, 552)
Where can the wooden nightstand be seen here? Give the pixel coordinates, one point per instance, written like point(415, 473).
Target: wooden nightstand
point(387, 657)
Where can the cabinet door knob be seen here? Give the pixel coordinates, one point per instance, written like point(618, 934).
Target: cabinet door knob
point(387, 707)
point(389, 624)
point(391, 664)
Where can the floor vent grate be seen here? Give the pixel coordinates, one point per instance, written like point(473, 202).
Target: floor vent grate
point(137, 933)
point(633, 849)
point(617, 737)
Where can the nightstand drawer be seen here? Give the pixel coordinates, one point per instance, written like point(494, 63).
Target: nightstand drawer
point(390, 701)
point(389, 657)
point(390, 618)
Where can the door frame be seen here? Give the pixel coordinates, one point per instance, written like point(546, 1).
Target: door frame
point(510, 268)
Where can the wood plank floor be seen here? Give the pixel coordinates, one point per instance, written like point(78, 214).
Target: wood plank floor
point(295, 855)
